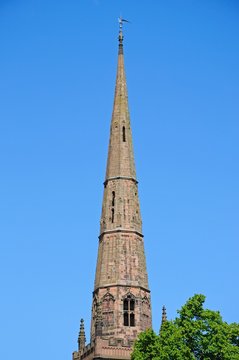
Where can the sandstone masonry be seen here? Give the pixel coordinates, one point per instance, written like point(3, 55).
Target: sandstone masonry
point(121, 306)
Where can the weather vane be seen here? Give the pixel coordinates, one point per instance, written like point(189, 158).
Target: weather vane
point(121, 21)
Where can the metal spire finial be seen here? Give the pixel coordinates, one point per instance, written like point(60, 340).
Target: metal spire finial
point(121, 37)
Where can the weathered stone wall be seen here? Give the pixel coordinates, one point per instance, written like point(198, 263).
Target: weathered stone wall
point(120, 209)
point(113, 325)
point(121, 261)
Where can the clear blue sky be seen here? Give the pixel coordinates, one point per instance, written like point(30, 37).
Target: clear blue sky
point(57, 76)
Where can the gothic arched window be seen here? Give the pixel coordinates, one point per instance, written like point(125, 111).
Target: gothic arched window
point(128, 310)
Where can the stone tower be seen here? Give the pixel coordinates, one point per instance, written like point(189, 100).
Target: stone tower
point(121, 307)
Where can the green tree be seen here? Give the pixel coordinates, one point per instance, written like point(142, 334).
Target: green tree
point(196, 334)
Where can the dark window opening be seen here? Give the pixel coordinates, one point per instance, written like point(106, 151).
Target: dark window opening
point(126, 319)
point(128, 308)
point(124, 137)
point(113, 198)
point(112, 215)
point(132, 319)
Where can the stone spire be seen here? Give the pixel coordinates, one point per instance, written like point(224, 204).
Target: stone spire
point(81, 337)
point(121, 265)
point(120, 156)
point(121, 306)
point(120, 208)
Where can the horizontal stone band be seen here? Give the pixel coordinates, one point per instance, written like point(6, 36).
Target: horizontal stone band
point(121, 285)
point(120, 178)
point(120, 230)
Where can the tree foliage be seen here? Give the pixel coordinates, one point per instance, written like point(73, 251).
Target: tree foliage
point(197, 334)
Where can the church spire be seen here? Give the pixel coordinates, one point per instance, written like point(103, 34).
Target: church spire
point(120, 156)
point(120, 208)
point(121, 306)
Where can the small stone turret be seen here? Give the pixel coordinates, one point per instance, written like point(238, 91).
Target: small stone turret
point(164, 315)
point(81, 337)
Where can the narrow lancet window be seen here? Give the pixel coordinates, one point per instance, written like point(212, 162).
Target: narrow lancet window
point(126, 319)
point(113, 198)
point(112, 215)
point(128, 308)
point(123, 133)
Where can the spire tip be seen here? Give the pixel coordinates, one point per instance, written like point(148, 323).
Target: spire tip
point(121, 37)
